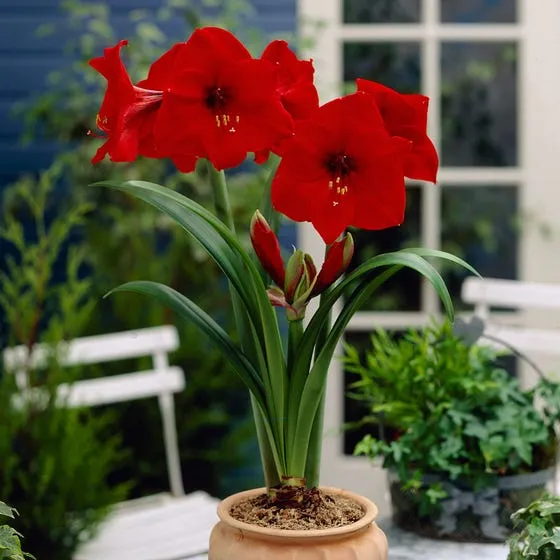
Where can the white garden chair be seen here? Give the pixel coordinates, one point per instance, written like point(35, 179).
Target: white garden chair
point(488, 293)
point(171, 526)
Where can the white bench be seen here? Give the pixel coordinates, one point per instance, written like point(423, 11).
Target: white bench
point(164, 527)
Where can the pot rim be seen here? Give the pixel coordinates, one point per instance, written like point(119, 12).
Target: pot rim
point(370, 514)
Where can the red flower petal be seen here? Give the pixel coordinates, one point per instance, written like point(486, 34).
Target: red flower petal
point(329, 220)
point(423, 161)
point(406, 116)
point(295, 79)
point(162, 70)
point(127, 114)
point(388, 198)
point(209, 49)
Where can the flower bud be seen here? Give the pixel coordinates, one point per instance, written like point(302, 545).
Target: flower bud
point(266, 246)
point(338, 257)
point(295, 269)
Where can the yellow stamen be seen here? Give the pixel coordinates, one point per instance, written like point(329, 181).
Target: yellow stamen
point(225, 119)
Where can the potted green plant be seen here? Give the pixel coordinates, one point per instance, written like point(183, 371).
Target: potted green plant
point(537, 530)
point(467, 445)
point(208, 101)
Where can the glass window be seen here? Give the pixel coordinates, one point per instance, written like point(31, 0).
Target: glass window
point(381, 11)
point(479, 104)
point(479, 11)
point(480, 224)
point(396, 65)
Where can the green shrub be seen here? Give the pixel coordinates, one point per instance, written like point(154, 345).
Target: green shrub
point(55, 461)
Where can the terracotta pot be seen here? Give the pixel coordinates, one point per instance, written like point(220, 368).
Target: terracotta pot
point(234, 540)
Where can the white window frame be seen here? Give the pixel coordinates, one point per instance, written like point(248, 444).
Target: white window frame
point(536, 175)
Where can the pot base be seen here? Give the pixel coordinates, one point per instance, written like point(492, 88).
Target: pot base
point(234, 540)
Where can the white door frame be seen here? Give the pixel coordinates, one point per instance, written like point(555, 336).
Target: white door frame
point(538, 68)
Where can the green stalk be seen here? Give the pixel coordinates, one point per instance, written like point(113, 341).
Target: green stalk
point(221, 196)
point(223, 212)
point(295, 332)
point(270, 468)
point(265, 206)
point(314, 451)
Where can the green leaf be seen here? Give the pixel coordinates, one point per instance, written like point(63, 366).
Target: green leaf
point(426, 253)
point(186, 309)
point(10, 544)
point(226, 250)
point(212, 234)
point(6, 510)
point(316, 380)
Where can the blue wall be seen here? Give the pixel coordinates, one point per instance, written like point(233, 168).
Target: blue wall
point(26, 60)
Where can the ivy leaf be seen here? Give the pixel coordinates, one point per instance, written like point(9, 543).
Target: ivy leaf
point(6, 510)
point(10, 544)
point(548, 507)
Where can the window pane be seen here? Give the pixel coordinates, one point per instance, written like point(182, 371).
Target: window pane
point(396, 65)
point(479, 11)
point(381, 11)
point(479, 224)
point(402, 291)
point(479, 104)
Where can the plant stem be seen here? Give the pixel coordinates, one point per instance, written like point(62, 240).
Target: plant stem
point(271, 477)
point(265, 206)
point(224, 213)
point(221, 196)
point(314, 452)
point(295, 332)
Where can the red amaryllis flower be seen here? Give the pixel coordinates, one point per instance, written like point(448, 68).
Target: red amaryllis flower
point(294, 85)
point(342, 168)
point(221, 103)
point(299, 281)
point(406, 115)
point(127, 114)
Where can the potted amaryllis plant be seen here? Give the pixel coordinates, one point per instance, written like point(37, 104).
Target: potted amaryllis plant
point(336, 165)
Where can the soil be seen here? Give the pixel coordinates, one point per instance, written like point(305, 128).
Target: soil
point(313, 509)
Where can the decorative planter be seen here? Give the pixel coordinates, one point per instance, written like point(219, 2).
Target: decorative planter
point(235, 540)
point(467, 515)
